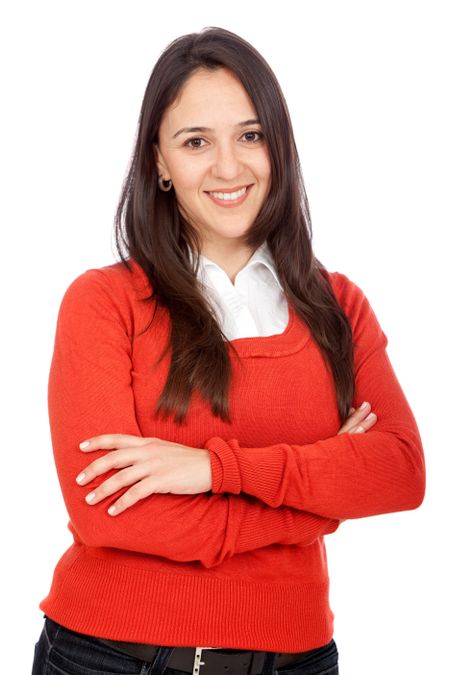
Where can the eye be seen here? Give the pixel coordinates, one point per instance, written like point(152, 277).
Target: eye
point(190, 140)
point(247, 133)
point(197, 146)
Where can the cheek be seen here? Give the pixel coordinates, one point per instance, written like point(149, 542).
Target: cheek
point(262, 167)
point(187, 174)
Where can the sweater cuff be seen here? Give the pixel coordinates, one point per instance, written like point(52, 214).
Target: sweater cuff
point(225, 475)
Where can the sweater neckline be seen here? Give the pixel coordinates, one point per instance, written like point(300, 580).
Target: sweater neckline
point(293, 338)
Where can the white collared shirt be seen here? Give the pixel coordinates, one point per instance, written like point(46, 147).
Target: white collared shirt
point(255, 305)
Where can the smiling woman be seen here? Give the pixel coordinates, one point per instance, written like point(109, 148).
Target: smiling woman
point(218, 400)
point(228, 167)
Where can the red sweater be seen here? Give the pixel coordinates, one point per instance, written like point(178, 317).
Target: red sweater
point(244, 565)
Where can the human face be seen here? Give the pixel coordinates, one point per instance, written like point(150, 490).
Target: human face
point(229, 154)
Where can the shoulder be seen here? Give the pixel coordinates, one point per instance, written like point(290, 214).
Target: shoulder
point(110, 291)
point(116, 280)
point(116, 276)
point(357, 308)
point(347, 291)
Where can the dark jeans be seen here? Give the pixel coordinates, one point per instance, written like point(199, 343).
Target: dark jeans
point(61, 651)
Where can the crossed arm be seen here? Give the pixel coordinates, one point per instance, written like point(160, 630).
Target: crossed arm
point(283, 494)
point(90, 393)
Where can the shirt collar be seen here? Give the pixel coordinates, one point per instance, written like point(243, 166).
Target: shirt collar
point(262, 255)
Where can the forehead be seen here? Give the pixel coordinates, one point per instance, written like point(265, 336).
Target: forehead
point(209, 95)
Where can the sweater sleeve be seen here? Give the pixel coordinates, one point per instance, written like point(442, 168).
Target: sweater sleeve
point(347, 475)
point(90, 393)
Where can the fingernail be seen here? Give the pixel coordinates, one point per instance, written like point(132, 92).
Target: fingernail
point(363, 405)
point(359, 430)
point(80, 478)
point(371, 416)
point(112, 510)
point(84, 445)
point(90, 496)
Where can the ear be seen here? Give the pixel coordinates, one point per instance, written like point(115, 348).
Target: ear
point(162, 168)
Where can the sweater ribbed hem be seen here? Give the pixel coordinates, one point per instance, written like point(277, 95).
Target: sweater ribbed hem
point(186, 609)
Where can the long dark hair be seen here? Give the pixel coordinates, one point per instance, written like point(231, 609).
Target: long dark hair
point(150, 229)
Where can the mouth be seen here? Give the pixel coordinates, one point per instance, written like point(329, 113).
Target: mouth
point(230, 199)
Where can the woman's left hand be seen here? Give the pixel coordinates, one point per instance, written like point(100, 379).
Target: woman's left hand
point(149, 465)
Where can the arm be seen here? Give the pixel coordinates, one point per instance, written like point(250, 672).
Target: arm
point(90, 393)
point(347, 475)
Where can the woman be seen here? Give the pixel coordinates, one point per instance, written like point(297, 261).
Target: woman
point(223, 381)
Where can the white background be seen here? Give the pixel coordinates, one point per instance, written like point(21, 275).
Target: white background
point(367, 88)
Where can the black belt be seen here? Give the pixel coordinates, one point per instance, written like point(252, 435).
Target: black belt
point(210, 661)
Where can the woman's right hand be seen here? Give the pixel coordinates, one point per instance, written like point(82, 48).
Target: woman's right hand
point(358, 421)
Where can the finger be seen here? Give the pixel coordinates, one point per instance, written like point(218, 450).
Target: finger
point(365, 424)
point(356, 415)
point(112, 460)
point(128, 476)
point(357, 430)
point(137, 492)
point(363, 409)
point(105, 442)
point(353, 418)
point(112, 441)
point(361, 416)
point(348, 430)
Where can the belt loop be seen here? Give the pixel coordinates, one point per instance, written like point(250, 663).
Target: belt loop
point(160, 661)
point(269, 662)
point(257, 665)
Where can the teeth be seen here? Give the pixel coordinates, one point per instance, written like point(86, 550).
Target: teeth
point(228, 196)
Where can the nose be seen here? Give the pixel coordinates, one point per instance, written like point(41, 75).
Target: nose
point(227, 163)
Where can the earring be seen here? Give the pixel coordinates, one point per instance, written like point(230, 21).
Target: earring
point(162, 184)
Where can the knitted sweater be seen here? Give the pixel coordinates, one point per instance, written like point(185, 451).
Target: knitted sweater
point(243, 566)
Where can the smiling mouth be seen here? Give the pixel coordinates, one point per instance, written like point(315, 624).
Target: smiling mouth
point(230, 198)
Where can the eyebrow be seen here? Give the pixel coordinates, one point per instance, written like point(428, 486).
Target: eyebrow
point(187, 130)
